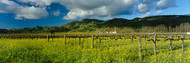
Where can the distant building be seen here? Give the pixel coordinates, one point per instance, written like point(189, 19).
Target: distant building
point(188, 33)
point(108, 31)
point(114, 32)
point(111, 32)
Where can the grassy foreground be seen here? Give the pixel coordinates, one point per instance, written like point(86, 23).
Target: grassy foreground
point(40, 51)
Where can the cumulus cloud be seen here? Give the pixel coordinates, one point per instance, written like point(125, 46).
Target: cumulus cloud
point(84, 8)
point(57, 13)
point(105, 9)
point(37, 2)
point(78, 13)
point(32, 12)
point(164, 4)
point(145, 6)
point(113, 9)
point(90, 8)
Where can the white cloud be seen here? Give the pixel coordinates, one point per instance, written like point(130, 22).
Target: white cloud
point(90, 8)
point(114, 8)
point(32, 12)
point(38, 2)
point(83, 8)
point(145, 6)
point(159, 12)
point(146, 14)
point(78, 13)
point(151, 14)
point(164, 4)
point(57, 13)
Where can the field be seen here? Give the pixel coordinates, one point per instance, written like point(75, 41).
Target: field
point(40, 51)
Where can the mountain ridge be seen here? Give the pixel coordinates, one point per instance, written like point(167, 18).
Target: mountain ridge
point(87, 25)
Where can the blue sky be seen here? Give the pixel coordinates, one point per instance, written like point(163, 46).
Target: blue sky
point(31, 13)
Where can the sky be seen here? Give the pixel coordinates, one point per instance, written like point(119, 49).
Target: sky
point(31, 13)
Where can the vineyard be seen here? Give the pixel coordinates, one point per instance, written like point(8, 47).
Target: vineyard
point(96, 48)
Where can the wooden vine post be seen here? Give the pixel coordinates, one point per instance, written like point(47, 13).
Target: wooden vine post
point(52, 32)
point(99, 43)
point(22, 37)
point(3, 36)
point(145, 38)
point(182, 46)
point(92, 44)
point(65, 39)
point(109, 40)
point(29, 37)
point(182, 38)
point(83, 41)
point(79, 40)
point(140, 49)
point(132, 39)
point(155, 47)
point(116, 41)
point(171, 43)
point(96, 40)
point(75, 38)
point(37, 37)
point(48, 38)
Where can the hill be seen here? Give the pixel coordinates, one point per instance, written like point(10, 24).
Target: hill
point(92, 24)
point(87, 25)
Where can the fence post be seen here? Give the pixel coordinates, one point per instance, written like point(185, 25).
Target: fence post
point(3, 37)
point(96, 41)
point(79, 40)
point(109, 40)
point(140, 49)
point(116, 41)
point(132, 39)
point(37, 37)
point(48, 38)
point(76, 39)
point(145, 38)
point(182, 46)
point(65, 39)
point(170, 44)
point(84, 39)
point(52, 37)
point(100, 43)
point(155, 44)
point(28, 37)
point(92, 41)
point(182, 43)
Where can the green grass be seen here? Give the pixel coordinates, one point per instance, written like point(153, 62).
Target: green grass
point(40, 51)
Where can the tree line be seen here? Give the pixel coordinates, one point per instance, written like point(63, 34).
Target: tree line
point(184, 27)
point(37, 29)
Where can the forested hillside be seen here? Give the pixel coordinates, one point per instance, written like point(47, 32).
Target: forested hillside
point(137, 25)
